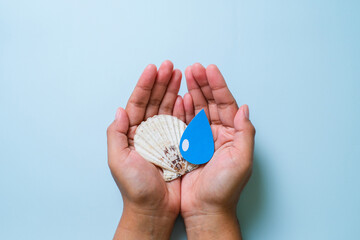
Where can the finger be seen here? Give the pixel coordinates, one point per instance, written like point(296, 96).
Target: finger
point(167, 104)
point(117, 140)
point(189, 108)
point(138, 100)
point(226, 104)
point(179, 110)
point(244, 135)
point(159, 89)
point(195, 91)
point(199, 73)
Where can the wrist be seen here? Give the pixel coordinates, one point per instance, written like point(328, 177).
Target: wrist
point(144, 224)
point(212, 225)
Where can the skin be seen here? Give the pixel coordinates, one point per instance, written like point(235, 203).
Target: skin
point(205, 197)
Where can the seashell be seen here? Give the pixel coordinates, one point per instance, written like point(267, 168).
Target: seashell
point(157, 140)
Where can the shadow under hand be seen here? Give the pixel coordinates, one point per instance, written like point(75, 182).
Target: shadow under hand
point(252, 199)
point(178, 232)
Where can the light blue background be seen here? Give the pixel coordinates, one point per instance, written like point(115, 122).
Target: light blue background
point(65, 66)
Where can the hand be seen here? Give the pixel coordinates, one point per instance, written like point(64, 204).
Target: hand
point(151, 205)
point(209, 194)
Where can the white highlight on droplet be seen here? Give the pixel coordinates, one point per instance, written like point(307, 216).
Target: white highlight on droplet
point(185, 145)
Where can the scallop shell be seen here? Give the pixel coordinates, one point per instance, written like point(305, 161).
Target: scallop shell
point(157, 140)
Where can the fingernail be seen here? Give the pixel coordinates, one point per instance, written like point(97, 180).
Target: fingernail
point(118, 114)
point(178, 100)
point(246, 111)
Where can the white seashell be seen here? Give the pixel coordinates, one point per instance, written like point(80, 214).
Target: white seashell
point(157, 140)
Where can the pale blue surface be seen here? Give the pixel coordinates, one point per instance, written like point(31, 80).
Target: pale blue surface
point(65, 66)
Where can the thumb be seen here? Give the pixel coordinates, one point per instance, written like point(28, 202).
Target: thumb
point(117, 139)
point(244, 133)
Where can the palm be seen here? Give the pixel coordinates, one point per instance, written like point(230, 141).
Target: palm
point(201, 181)
point(147, 179)
point(227, 171)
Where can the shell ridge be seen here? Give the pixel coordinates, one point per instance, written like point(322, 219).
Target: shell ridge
point(144, 136)
point(157, 140)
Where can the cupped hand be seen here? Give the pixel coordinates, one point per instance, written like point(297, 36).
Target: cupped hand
point(209, 194)
point(151, 205)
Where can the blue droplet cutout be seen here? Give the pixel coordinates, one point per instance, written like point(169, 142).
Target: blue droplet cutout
point(197, 142)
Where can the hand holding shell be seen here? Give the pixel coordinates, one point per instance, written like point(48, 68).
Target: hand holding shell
point(157, 140)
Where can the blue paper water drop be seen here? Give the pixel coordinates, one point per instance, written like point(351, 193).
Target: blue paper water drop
point(197, 142)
